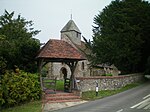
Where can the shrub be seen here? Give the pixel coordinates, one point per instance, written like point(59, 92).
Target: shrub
point(19, 88)
point(108, 74)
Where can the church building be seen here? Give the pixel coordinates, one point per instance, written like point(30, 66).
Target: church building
point(72, 47)
point(71, 34)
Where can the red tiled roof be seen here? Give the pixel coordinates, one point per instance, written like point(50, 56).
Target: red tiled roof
point(59, 49)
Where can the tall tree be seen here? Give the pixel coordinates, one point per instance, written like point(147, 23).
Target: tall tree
point(2, 61)
point(18, 46)
point(121, 35)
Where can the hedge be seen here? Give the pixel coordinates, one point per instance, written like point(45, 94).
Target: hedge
point(19, 88)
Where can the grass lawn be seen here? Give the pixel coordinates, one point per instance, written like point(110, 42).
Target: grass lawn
point(60, 85)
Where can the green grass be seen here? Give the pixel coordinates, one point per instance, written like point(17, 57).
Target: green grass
point(28, 107)
point(59, 84)
point(91, 95)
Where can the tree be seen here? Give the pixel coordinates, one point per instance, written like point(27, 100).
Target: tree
point(121, 35)
point(2, 61)
point(18, 46)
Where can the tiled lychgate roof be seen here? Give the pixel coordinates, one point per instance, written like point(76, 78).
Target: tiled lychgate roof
point(59, 49)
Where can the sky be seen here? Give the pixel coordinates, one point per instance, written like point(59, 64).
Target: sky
point(50, 16)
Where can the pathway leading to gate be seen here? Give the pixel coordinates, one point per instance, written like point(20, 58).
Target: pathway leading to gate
point(60, 100)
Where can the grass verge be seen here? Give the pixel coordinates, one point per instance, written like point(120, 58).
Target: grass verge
point(91, 95)
point(28, 107)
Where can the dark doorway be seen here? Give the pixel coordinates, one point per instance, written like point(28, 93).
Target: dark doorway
point(66, 80)
point(64, 72)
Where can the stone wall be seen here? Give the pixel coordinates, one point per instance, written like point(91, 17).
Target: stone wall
point(107, 82)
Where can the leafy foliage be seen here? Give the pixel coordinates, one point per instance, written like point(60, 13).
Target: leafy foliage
point(2, 60)
point(17, 46)
point(19, 88)
point(121, 35)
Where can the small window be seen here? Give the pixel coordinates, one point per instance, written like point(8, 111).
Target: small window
point(82, 65)
point(77, 34)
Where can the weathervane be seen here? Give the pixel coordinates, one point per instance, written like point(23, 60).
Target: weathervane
point(71, 14)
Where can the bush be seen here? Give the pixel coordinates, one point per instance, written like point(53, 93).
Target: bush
point(19, 88)
point(108, 74)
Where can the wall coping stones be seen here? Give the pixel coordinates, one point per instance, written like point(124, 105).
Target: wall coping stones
point(108, 77)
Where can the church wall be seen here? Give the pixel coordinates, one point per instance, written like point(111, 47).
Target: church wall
point(65, 38)
point(82, 71)
point(55, 70)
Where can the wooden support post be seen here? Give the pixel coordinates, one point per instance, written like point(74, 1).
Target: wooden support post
point(40, 64)
point(72, 66)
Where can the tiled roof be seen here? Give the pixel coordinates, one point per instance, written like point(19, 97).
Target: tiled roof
point(59, 49)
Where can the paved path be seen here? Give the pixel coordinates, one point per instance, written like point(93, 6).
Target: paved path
point(133, 100)
point(55, 106)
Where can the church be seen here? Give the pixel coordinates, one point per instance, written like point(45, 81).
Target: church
point(71, 34)
point(70, 39)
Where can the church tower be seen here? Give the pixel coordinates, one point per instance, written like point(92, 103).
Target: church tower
point(72, 32)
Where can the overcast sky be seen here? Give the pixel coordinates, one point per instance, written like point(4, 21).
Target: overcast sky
point(50, 16)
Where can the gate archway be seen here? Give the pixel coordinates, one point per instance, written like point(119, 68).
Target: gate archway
point(60, 51)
